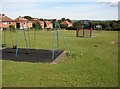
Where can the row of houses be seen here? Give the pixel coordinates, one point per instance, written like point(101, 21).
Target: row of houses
point(23, 23)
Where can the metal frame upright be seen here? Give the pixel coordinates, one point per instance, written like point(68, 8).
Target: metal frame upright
point(56, 38)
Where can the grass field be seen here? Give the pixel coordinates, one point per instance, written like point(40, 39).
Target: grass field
point(88, 66)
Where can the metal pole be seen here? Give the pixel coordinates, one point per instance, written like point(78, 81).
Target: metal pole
point(11, 37)
point(56, 37)
point(90, 29)
point(53, 44)
point(58, 42)
point(34, 38)
point(19, 33)
point(64, 41)
point(77, 32)
point(4, 38)
point(83, 32)
point(26, 41)
point(29, 39)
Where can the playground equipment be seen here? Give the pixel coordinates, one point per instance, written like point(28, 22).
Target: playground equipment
point(17, 51)
point(19, 35)
point(4, 40)
point(86, 30)
point(56, 38)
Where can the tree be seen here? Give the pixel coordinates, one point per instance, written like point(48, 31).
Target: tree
point(62, 19)
point(59, 21)
point(68, 20)
point(64, 26)
point(12, 27)
point(37, 26)
point(53, 22)
point(41, 19)
point(77, 25)
point(45, 25)
point(115, 26)
point(28, 17)
point(118, 25)
point(108, 25)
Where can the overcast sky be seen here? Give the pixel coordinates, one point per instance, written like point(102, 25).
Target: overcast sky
point(72, 9)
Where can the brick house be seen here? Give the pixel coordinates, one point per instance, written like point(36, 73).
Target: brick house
point(36, 20)
point(49, 24)
point(67, 23)
point(23, 23)
point(5, 22)
point(44, 24)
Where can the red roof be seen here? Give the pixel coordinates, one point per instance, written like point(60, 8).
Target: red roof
point(48, 22)
point(21, 19)
point(65, 22)
point(42, 22)
point(4, 18)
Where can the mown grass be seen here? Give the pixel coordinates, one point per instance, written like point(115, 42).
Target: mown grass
point(93, 62)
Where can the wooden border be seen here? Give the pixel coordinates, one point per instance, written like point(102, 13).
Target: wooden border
point(59, 58)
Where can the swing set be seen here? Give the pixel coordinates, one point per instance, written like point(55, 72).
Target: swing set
point(4, 40)
point(27, 42)
point(56, 38)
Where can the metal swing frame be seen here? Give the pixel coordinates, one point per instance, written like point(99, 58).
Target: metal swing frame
point(56, 38)
point(18, 40)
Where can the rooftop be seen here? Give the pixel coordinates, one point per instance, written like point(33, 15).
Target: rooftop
point(4, 18)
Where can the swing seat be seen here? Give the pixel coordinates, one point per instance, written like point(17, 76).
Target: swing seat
point(3, 45)
point(14, 46)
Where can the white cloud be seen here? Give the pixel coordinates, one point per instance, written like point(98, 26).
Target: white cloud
point(110, 2)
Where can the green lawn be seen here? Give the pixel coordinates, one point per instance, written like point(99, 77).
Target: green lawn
point(88, 66)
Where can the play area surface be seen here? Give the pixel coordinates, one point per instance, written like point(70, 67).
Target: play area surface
point(33, 55)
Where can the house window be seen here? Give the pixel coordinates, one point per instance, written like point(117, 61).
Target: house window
point(5, 23)
point(10, 23)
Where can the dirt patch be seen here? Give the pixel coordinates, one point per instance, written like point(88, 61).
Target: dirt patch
point(34, 55)
point(115, 42)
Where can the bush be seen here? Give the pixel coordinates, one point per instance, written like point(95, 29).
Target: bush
point(64, 26)
point(36, 26)
point(77, 24)
point(12, 27)
point(70, 28)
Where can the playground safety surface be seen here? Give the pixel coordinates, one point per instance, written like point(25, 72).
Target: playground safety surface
point(33, 55)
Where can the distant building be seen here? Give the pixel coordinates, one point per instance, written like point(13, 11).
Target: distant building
point(5, 22)
point(49, 24)
point(44, 24)
point(23, 23)
point(67, 23)
point(98, 26)
point(36, 20)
